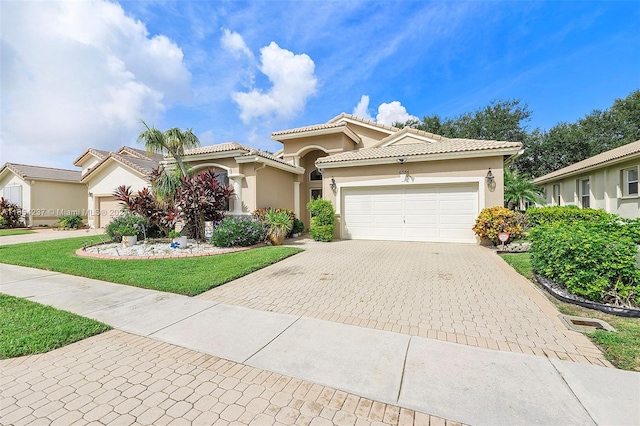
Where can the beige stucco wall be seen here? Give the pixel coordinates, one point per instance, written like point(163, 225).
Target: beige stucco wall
point(274, 188)
point(50, 200)
point(606, 189)
point(294, 149)
point(12, 179)
point(103, 182)
point(424, 173)
point(370, 137)
point(90, 162)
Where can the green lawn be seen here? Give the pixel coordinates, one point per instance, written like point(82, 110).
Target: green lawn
point(188, 276)
point(8, 232)
point(31, 328)
point(621, 348)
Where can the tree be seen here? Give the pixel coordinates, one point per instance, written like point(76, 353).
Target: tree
point(500, 120)
point(518, 189)
point(568, 143)
point(173, 141)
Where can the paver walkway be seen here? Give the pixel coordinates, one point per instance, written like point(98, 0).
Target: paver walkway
point(467, 384)
point(120, 379)
point(451, 292)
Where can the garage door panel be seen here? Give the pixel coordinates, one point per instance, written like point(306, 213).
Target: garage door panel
point(411, 213)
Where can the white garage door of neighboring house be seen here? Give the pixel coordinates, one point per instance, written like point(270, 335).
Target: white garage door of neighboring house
point(434, 213)
point(109, 209)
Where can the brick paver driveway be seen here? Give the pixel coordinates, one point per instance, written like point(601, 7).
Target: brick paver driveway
point(455, 292)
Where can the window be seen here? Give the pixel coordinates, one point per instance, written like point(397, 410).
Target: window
point(585, 197)
point(223, 178)
point(630, 182)
point(13, 194)
point(316, 193)
point(315, 175)
point(556, 195)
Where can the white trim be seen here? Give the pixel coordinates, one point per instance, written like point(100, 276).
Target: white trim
point(318, 132)
point(408, 135)
point(206, 165)
point(308, 148)
point(296, 199)
point(208, 156)
point(268, 162)
point(416, 158)
point(366, 125)
point(422, 180)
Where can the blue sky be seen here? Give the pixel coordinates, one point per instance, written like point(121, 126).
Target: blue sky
point(83, 74)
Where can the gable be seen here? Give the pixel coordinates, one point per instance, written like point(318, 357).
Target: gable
point(113, 174)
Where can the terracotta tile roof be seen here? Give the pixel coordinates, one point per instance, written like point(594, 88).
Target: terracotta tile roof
point(234, 146)
point(99, 153)
point(142, 165)
point(619, 153)
point(309, 128)
point(141, 153)
point(363, 120)
point(411, 130)
point(221, 147)
point(27, 172)
point(421, 148)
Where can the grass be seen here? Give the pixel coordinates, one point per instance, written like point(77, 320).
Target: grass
point(621, 348)
point(188, 276)
point(8, 232)
point(31, 328)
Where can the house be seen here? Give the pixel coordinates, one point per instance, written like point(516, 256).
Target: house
point(43, 193)
point(607, 181)
point(386, 183)
point(103, 171)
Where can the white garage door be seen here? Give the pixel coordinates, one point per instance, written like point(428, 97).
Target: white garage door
point(436, 213)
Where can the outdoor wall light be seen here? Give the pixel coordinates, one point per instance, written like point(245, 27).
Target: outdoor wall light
point(333, 185)
point(489, 177)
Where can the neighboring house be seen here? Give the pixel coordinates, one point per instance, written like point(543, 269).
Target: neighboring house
point(43, 193)
point(103, 171)
point(385, 183)
point(607, 181)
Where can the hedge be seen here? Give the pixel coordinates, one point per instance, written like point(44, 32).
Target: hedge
point(595, 259)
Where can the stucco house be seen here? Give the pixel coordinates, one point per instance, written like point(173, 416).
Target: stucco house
point(103, 171)
point(385, 183)
point(607, 181)
point(43, 193)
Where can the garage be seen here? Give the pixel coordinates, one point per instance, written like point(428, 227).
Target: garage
point(109, 208)
point(432, 213)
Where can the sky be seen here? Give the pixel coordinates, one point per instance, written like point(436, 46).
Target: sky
point(80, 74)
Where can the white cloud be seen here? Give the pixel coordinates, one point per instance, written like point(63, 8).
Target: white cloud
point(362, 109)
point(234, 43)
point(207, 138)
point(393, 112)
point(293, 81)
point(80, 74)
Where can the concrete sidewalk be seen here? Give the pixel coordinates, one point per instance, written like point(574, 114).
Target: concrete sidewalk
point(48, 234)
point(466, 384)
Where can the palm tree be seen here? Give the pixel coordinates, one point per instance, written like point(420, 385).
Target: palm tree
point(173, 141)
point(518, 189)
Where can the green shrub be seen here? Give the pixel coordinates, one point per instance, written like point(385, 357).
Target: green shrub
point(565, 214)
point(70, 221)
point(127, 225)
point(298, 227)
point(493, 220)
point(261, 215)
point(236, 232)
point(587, 261)
point(322, 220)
point(3, 223)
point(11, 213)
